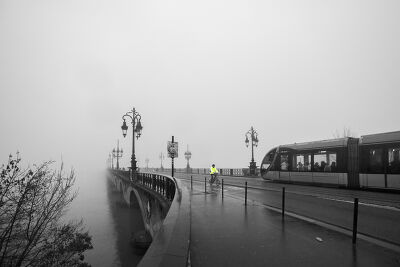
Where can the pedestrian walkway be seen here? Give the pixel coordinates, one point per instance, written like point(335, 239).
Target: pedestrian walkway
point(225, 232)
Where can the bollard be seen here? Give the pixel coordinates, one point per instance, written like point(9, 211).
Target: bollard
point(355, 219)
point(205, 184)
point(191, 181)
point(245, 194)
point(283, 201)
point(222, 188)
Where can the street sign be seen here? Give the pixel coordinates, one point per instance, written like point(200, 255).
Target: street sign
point(172, 149)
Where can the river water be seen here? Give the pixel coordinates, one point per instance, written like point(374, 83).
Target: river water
point(108, 219)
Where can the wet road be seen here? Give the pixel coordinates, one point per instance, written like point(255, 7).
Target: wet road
point(379, 213)
point(225, 232)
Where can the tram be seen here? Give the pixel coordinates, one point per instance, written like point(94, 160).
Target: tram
point(371, 161)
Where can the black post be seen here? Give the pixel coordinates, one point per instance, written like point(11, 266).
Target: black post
point(133, 158)
point(191, 181)
point(172, 158)
point(222, 188)
point(205, 184)
point(283, 201)
point(245, 194)
point(355, 219)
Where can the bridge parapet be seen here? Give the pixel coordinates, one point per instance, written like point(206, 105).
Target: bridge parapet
point(166, 214)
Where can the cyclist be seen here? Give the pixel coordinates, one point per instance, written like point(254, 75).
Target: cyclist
point(214, 174)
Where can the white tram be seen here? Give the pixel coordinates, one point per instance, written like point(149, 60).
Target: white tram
point(371, 161)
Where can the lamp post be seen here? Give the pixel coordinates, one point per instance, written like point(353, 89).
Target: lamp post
point(188, 155)
point(135, 118)
point(117, 153)
point(162, 157)
point(254, 142)
point(109, 160)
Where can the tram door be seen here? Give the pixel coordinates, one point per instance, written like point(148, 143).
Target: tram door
point(353, 176)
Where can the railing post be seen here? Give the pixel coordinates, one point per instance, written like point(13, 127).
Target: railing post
point(191, 181)
point(168, 189)
point(245, 194)
point(283, 201)
point(205, 184)
point(165, 186)
point(222, 188)
point(355, 219)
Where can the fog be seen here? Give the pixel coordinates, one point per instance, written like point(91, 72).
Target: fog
point(203, 71)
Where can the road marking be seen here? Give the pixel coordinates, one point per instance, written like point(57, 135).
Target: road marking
point(362, 203)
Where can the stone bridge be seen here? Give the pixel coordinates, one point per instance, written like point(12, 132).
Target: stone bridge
point(166, 217)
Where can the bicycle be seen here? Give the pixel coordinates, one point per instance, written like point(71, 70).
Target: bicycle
point(214, 179)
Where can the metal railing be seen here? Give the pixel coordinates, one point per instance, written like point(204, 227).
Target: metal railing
point(239, 172)
point(160, 184)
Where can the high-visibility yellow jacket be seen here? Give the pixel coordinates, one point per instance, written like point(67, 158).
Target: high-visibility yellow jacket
point(213, 170)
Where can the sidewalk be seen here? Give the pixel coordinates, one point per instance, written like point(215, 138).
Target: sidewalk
point(225, 232)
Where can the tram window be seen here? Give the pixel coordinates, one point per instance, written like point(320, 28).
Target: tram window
point(325, 161)
point(284, 162)
point(375, 160)
point(332, 162)
point(265, 166)
point(301, 162)
point(394, 160)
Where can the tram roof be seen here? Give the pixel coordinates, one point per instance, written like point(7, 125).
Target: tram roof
point(380, 138)
point(339, 142)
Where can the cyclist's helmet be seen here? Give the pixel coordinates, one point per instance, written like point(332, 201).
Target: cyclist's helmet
point(213, 165)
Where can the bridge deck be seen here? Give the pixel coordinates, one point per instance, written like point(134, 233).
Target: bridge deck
point(225, 232)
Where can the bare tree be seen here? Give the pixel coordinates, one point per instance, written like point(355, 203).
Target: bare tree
point(32, 202)
point(347, 132)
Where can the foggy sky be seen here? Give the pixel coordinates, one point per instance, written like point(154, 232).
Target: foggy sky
point(203, 71)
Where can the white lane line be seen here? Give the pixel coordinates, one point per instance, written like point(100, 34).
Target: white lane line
point(362, 203)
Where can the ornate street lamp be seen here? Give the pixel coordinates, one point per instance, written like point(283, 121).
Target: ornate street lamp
point(188, 155)
point(162, 157)
point(253, 135)
point(135, 118)
point(110, 158)
point(117, 153)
